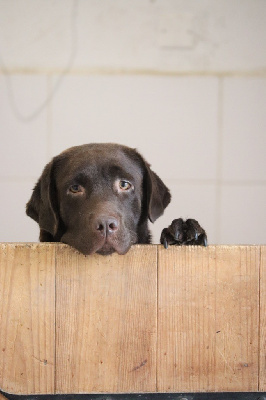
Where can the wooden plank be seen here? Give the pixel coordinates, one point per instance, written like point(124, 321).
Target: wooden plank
point(208, 319)
point(106, 310)
point(262, 376)
point(27, 316)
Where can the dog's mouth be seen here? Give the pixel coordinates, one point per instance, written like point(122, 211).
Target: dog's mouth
point(109, 247)
point(106, 250)
point(101, 245)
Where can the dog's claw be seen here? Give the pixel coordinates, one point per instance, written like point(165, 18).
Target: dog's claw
point(182, 232)
point(165, 243)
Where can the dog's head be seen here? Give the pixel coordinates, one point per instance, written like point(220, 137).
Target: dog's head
point(98, 198)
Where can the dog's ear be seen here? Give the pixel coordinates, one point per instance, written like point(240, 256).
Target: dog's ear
point(158, 195)
point(42, 205)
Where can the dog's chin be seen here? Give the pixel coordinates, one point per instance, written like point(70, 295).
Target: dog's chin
point(108, 249)
point(104, 247)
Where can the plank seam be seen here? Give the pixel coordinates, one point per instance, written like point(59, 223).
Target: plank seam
point(259, 319)
point(55, 319)
point(157, 315)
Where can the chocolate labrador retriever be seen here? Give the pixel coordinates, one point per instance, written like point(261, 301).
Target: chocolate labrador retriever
point(98, 198)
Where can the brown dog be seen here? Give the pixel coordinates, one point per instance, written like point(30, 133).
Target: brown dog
point(99, 197)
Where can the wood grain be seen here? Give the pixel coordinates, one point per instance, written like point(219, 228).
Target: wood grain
point(75, 324)
point(208, 319)
point(106, 311)
point(262, 352)
point(27, 314)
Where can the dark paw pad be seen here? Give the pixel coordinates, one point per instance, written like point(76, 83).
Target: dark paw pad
point(181, 232)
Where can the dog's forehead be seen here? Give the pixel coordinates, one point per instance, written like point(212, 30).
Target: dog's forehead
point(96, 160)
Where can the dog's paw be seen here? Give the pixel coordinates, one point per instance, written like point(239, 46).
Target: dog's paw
point(182, 232)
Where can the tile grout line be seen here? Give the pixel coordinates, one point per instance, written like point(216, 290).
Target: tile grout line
point(219, 158)
point(49, 114)
point(260, 73)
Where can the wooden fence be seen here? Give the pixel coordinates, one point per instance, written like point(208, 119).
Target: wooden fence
point(186, 319)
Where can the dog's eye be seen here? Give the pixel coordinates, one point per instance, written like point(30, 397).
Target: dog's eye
point(124, 185)
point(75, 189)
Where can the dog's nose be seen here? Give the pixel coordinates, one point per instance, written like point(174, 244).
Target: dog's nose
point(106, 225)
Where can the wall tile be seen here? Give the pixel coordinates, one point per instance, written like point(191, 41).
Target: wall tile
point(172, 121)
point(243, 214)
point(23, 142)
point(16, 226)
point(128, 35)
point(244, 129)
point(190, 200)
point(36, 34)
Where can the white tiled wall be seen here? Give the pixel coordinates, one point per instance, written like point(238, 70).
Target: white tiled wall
point(23, 142)
point(182, 81)
point(165, 35)
point(244, 129)
point(155, 114)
